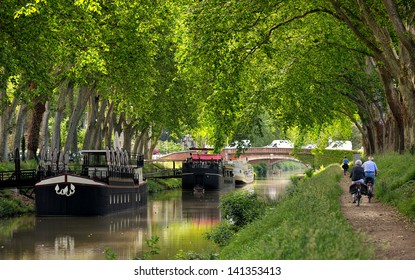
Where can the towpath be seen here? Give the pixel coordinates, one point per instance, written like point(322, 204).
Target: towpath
point(392, 235)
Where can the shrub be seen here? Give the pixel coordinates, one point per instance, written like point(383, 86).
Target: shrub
point(241, 208)
point(11, 206)
point(222, 234)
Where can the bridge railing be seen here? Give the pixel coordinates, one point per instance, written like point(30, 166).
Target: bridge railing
point(266, 150)
point(177, 156)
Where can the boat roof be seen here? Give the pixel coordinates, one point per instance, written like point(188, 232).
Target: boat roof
point(206, 157)
point(92, 151)
point(200, 149)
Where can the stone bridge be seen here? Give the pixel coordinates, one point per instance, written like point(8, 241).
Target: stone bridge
point(253, 155)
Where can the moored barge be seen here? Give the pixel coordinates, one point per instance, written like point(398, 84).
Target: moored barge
point(109, 181)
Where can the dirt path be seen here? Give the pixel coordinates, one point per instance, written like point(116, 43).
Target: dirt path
point(391, 233)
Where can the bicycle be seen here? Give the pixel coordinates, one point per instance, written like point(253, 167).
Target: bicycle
point(369, 184)
point(357, 190)
point(358, 195)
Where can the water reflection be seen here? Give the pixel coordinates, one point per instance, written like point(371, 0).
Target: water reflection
point(269, 188)
point(75, 237)
point(179, 219)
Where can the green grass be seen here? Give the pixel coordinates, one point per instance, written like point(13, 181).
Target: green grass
point(395, 183)
point(305, 224)
point(11, 205)
point(9, 165)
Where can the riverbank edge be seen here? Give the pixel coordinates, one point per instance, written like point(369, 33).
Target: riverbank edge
point(13, 204)
point(307, 222)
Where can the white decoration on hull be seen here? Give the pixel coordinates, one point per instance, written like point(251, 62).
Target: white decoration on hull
point(65, 191)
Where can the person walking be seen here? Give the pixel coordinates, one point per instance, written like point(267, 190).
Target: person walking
point(371, 169)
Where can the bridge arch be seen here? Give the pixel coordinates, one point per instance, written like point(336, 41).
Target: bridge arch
point(253, 155)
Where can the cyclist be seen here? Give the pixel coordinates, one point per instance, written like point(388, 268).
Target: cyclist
point(371, 170)
point(345, 165)
point(358, 176)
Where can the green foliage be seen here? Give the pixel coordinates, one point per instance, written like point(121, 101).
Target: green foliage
point(11, 205)
point(152, 248)
point(395, 182)
point(241, 208)
point(166, 147)
point(110, 254)
point(305, 224)
point(260, 170)
point(181, 255)
point(222, 234)
point(309, 172)
point(158, 185)
point(237, 209)
point(322, 157)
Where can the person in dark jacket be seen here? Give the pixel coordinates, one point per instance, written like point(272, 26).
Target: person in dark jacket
point(357, 175)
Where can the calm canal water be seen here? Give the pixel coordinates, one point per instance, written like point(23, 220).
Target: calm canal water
point(178, 218)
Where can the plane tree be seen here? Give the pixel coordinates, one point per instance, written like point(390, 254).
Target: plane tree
point(115, 60)
point(318, 59)
point(27, 75)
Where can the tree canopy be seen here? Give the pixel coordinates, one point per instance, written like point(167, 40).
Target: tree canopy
point(220, 70)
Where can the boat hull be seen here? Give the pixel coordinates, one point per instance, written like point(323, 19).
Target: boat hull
point(206, 179)
point(206, 172)
point(242, 172)
point(202, 179)
point(244, 180)
point(71, 195)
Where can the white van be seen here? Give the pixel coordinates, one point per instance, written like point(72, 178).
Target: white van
point(281, 144)
point(340, 145)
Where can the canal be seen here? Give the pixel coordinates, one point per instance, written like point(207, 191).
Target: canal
point(179, 219)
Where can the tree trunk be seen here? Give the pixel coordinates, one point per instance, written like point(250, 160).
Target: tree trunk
point(128, 136)
point(91, 123)
point(140, 140)
point(397, 112)
point(34, 129)
point(20, 125)
point(109, 125)
point(5, 124)
point(98, 133)
point(71, 102)
point(82, 101)
point(395, 62)
point(59, 116)
point(44, 129)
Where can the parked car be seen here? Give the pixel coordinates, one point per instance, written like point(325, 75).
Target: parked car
point(281, 144)
point(340, 145)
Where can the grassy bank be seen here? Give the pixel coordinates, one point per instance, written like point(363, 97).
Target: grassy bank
point(395, 183)
point(306, 223)
point(12, 204)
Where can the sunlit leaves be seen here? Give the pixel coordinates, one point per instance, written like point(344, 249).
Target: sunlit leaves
point(287, 57)
point(89, 5)
point(29, 8)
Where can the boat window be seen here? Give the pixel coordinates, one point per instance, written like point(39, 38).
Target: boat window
point(95, 159)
